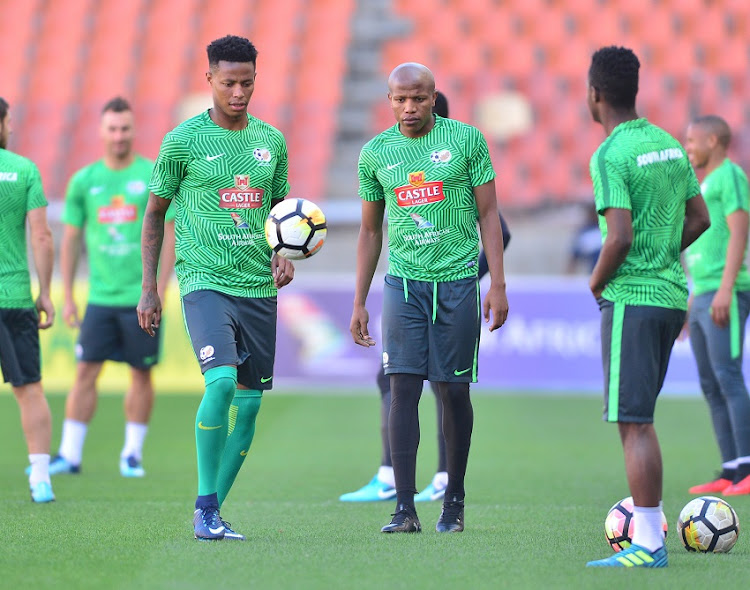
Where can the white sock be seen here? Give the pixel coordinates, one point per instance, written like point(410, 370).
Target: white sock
point(440, 480)
point(730, 464)
point(39, 468)
point(741, 461)
point(73, 437)
point(135, 433)
point(385, 475)
point(647, 527)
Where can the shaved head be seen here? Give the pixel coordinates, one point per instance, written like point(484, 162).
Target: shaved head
point(717, 126)
point(411, 74)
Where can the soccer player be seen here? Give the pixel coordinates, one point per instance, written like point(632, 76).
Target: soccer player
point(435, 178)
point(224, 170)
point(382, 485)
point(650, 208)
point(104, 206)
point(21, 318)
point(721, 301)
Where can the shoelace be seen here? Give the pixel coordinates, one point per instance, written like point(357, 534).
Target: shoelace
point(400, 516)
point(211, 517)
point(452, 510)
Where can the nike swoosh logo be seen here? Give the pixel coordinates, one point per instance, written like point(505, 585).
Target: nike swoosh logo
point(212, 158)
point(216, 531)
point(243, 453)
point(386, 494)
point(266, 379)
point(200, 425)
point(391, 166)
point(457, 372)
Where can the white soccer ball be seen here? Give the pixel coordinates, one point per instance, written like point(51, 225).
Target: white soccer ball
point(296, 228)
point(618, 525)
point(708, 524)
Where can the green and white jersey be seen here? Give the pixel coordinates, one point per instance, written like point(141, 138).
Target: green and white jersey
point(427, 184)
point(20, 192)
point(642, 168)
point(222, 183)
point(109, 206)
point(725, 191)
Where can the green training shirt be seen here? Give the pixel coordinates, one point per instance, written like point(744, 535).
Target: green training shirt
point(427, 184)
point(222, 183)
point(20, 192)
point(642, 168)
point(109, 206)
point(725, 191)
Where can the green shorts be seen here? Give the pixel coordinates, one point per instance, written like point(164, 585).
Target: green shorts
point(636, 344)
point(431, 329)
point(236, 331)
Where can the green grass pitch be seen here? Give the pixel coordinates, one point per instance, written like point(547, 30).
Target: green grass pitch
point(543, 471)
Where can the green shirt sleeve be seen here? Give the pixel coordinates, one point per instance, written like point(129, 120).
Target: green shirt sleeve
point(74, 208)
point(734, 191)
point(480, 164)
point(35, 192)
point(610, 182)
point(370, 188)
point(170, 167)
point(280, 184)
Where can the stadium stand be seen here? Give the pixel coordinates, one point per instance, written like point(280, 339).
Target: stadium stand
point(694, 52)
point(64, 58)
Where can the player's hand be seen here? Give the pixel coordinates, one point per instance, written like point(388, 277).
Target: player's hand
point(685, 332)
point(46, 310)
point(720, 308)
point(497, 302)
point(149, 311)
point(358, 327)
point(596, 290)
point(282, 270)
point(70, 314)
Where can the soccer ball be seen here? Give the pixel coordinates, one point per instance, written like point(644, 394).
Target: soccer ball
point(618, 526)
point(296, 228)
point(708, 524)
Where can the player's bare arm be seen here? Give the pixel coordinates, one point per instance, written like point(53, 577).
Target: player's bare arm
point(70, 252)
point(43, 251)
point(282, 270)
point(495, 305)
point(697, 220)
point(152, 236)
point(369, 246)
point(614, 249)
point(737, 222)
point(167, 259)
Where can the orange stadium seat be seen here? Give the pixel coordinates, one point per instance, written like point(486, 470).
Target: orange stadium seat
point(16, 39)
point(111, 49)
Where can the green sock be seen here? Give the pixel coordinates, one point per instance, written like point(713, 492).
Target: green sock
point(211, 425)
point(242, 414)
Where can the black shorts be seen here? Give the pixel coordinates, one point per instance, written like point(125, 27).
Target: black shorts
point(112, 333)
point(431, 329)
point(19, 346)
point(636, 344)
point(238, 331)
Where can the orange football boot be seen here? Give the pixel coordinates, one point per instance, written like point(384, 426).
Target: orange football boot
point(712, 487)
point(738, 489)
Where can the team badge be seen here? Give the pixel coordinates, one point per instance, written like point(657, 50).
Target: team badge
point(262, 155)
point(441, 156)
point(206, 353)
